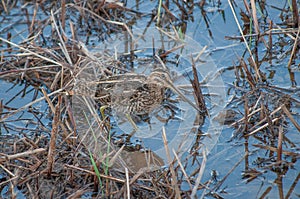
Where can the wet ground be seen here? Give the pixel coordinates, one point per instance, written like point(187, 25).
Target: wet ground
point(252, 152)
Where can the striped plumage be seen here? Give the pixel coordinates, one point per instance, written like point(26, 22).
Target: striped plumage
point(137, 94)
point(133, 93)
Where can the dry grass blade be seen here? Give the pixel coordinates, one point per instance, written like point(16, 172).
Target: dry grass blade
point(23, 154)
point(200, 174)
point(63, 47)
point(176, 90)
point(165, 54)
point(94, 174)
point(265, 193)
point(197, 90)
point(7, 170)
point(258, 77)
point(293, 186)
point(295, 13)
point(296, 41)
point(173, 173)
point(63, 14)
point(254, 15)
point(54, 132)
point(287, 112)
point(31, 52)
point(78, 193)
point(182, 169)
point(48, 100)
point(244, 118)
point(231, 170)
point(107, 21)
point(28, 105)
point(262, 127)
point(116, 156)
point(127, 183)
point(249, 75)
point(279, 145)
point(275, 150)
point(167, 34)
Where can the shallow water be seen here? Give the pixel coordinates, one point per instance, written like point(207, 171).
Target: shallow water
point(224, 152)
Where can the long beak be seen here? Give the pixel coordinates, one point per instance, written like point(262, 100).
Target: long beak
point(176, 90)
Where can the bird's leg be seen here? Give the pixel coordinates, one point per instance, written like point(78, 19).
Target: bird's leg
point(148, 121)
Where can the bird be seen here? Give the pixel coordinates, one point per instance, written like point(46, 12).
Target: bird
point(137, 94)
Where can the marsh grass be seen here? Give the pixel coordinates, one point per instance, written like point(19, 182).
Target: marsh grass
point(55, 162)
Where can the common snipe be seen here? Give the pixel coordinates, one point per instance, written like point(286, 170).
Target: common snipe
point(136, 94)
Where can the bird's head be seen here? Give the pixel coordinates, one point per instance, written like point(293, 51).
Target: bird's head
point(161, 76)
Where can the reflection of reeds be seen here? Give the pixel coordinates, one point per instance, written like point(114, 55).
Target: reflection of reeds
point(53, 70)
point(268, 116)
